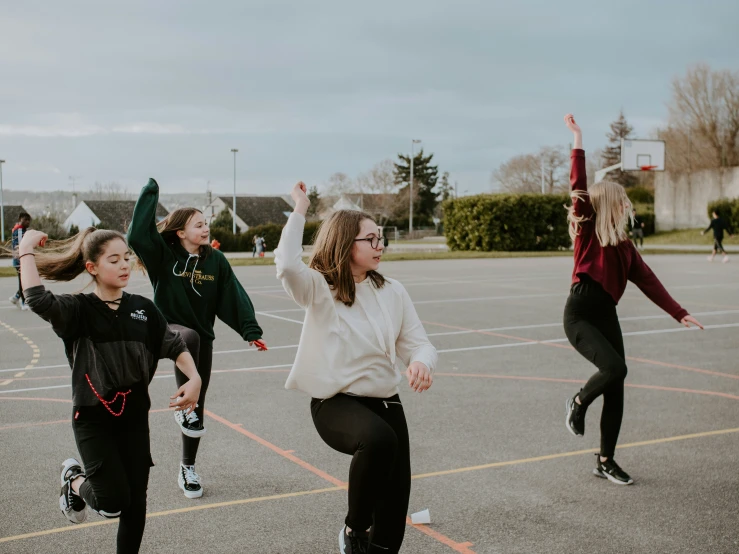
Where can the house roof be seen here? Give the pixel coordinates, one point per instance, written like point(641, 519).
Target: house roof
point(117, 214)
point(11, 213)
point(259, 210)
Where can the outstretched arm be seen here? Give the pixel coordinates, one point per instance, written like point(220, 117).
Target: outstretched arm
point(578, 175)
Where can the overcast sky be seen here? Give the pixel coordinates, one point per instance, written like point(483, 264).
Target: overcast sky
point(121, 91)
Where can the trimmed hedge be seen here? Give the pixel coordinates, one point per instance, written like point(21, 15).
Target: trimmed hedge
point(726, 208)
point(271, 232)
point(640, 195)
point(508, 222)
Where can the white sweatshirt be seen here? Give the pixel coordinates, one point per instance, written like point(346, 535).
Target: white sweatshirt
point(354, 349)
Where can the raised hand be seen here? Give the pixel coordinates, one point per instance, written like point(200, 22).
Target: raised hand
point(31, 239)
point(187, 396)
point(571, 125)
point(689, 319)
point(300, 195)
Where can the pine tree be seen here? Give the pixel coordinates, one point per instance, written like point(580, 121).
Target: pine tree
point(446, 190)
point(425, 176)
point(620, 129)
point(315, 200)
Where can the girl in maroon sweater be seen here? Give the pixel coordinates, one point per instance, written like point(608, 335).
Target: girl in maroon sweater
point(605, 259)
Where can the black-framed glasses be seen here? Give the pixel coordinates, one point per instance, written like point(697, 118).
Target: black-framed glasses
point(374, 241)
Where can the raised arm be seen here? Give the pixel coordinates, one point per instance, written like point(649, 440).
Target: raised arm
point(61, 311)
point(143, 236)
point(300, 282)
point(578, 175)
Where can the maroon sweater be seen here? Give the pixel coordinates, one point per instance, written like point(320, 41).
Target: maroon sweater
point(612, 266)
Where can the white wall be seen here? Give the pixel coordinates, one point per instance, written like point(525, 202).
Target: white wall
point(82, 217)
point(680, 201)
point(212, 210)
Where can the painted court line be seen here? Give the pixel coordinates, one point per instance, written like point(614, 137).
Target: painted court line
point(462, 548)
point(170, 512)
point(575, 453)
point(280, 317)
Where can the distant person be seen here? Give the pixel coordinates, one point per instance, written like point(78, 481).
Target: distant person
point(260, 244)
point(718, 224)
point(253, 246)
point(605, 259)
point(637, 230)
point(24, 220)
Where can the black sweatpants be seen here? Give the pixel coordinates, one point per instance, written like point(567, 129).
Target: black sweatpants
point(592, 327)
point(202, 353)
point(374, 432)
point(116, 456)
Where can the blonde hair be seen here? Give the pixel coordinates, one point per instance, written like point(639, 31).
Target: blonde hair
point(332, 253)
point(612, 210)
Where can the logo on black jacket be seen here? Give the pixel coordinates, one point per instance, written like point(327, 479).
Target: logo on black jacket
point(139, 315)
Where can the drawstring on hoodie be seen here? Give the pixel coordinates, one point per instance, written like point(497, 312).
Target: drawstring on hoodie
point(192, 275)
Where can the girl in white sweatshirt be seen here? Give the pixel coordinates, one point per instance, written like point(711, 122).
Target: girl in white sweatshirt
point(358, 327)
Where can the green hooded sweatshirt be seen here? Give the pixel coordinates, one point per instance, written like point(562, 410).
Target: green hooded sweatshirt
point(190, 290)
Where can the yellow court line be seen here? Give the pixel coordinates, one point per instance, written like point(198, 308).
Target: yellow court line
point(573, 453)
point(170, 512)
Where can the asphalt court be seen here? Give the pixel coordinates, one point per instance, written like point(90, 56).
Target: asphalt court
point(491, 457)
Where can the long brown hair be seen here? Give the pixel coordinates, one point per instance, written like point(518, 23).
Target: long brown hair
point(177, 221)
point(332, 253)
point(64, 260)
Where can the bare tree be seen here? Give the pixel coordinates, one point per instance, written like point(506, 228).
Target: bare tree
point(705, 105)
point(379, 191)
point(522, 174)
point(519, 174)
point(108, 191)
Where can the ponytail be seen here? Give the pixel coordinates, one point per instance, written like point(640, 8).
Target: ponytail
point(65, 260)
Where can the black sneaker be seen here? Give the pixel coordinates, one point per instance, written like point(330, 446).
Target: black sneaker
point(71, 505)
point(575, 417)
point(353, 542)
point(189, 482)
point(610, 470)
point(190, 424)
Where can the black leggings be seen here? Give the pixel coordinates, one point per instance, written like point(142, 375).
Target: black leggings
point(374, 432)
point(19, 294)
point(116, 456)
point(592, 327)
point(202, 353)
point(718, 245)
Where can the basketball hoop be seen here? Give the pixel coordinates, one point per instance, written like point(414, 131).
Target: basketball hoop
point(648, 167)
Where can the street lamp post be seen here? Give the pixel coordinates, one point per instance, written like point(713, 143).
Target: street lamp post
point(2, 205)
point(413, 155)
point(234, 150)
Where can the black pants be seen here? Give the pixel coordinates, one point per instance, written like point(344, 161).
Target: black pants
point(638, 235)
point(19, 294)
point(202, 353)
point(718, 245)
point(374, 432)
point(116, 456)
point(592, 327)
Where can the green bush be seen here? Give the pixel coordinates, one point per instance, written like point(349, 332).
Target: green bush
point(271, 233)
point(640, 195)
point(508, 222)
point(727, 209)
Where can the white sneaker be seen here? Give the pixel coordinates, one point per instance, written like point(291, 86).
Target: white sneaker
point(25, 307)
point(710, 258)
point(189, 482)
point(71, 505)
point(726, 259)
point(14, 299)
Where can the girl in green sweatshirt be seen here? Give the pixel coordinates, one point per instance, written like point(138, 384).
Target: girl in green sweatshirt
point(193, 283)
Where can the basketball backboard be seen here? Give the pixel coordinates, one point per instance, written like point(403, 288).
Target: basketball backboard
point(642, 155)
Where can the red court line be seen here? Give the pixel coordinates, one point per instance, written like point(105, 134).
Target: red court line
point(581, 381)
point(457, 547)
point(569, 347)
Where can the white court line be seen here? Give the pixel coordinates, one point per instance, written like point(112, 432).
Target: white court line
point(265, 312)
point(34, 368)
point(253, 350)
point(280, 317)
point(559, 324)
point(634, 333)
